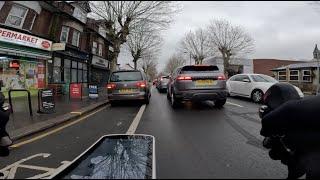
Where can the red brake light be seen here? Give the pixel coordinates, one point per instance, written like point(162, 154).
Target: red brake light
point(184, 78)
point(221, 77)
point(141, 84)
point(111, 86)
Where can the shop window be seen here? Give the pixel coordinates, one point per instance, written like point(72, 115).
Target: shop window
point(306, 76)
point(56, 78)
point(16, 16)
point(80, 80)
point(76, 38)
point(282, 76)
point(94, 47)
point(67, 73)
point(85, 76)
point(74, 75)
point(100, 49)
point(294, 75)
point(64, 34)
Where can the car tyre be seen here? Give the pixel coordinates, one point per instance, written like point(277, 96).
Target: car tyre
point(257, 96)
point(168, 95)
point(147, 100)
point(220, 103)
point(175, 103)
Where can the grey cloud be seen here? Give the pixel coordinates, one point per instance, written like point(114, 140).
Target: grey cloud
point(284, 30)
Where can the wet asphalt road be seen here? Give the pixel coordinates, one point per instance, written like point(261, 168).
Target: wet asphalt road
point(194, 141)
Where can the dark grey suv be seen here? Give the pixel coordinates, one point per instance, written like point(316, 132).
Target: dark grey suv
point(197, 83)
point(128, 85)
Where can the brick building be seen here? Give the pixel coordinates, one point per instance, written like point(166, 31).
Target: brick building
point(264, 66)
point(50, 44)
point(25, 44)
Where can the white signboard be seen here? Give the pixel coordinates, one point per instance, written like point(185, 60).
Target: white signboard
point(100, 62)
point(10, 36)
point(58, 46)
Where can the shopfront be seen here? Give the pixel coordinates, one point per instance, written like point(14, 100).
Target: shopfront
point(99, 71)
point(69, 66)
point(23, 60)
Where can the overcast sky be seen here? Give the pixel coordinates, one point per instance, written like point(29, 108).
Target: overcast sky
point(281, 30)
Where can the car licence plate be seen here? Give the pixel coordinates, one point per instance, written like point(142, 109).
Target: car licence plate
point(126, 91)
point(207, 82)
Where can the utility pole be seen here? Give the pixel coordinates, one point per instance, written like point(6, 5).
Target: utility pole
point(316, 54)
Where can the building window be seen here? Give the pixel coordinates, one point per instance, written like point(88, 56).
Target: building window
point(100, 49)
point(294, 75)
point(76, 38)
point(94, 47)
point(33, 19)
point(16, 16)
point(64, 34)
point(282, 76)
point(306, 76)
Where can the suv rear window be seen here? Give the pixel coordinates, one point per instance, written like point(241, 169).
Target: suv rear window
point(198, 69)
point(126, 76)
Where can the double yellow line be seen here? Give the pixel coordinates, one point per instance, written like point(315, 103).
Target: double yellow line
point(56, 130)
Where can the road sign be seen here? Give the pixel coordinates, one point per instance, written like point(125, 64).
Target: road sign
point(75, 91)
point(46, 102)
point(93, 91)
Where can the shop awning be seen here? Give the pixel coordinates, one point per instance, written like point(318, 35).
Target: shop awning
point(17, 50)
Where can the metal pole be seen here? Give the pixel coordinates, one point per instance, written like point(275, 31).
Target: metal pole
point(318, 75)
point(190, 58)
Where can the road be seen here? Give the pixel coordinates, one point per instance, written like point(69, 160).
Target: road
point(194, 141)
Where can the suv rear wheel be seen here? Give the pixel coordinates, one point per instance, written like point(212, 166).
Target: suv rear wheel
point(219, 103)
point(174, 101)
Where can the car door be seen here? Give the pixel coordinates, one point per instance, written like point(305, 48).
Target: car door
point(232, 84)
point(243, 87)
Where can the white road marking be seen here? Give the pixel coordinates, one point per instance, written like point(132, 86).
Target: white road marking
point(234, 104)
point(136, 120)
point(11, 170)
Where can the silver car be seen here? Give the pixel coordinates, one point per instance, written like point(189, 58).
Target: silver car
point(128, 85)
point(162, 83)
point(197, 83)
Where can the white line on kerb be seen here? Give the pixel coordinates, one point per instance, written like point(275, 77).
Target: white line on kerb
point(234, 104)
point(136, 120)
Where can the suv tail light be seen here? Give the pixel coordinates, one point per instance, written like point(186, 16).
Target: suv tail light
point(184, 78)
point(111, 86)
point(221, 77)
point(142, 84)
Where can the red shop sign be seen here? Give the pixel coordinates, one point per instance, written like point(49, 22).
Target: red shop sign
point(75, 91)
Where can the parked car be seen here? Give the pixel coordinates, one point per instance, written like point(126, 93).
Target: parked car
point(253, 86)
point(162, 83)
point(197, 83)
point(128, 85)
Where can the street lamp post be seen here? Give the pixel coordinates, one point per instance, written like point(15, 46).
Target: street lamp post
point(318, 74)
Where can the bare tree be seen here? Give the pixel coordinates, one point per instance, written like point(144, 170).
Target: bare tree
point(149, 66)
point(229, 40)
point(174, 62)
point(196, 45)
point(144, 41)
point(120, 17)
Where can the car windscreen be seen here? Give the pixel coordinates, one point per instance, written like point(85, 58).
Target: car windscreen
point(126, 76)
point(263, 78)
point(198, 69)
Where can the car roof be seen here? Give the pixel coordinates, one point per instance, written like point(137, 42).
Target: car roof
point(126, 71)
point(250, 74)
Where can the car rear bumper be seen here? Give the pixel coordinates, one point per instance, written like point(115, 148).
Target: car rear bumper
point(119, 97)
point(203, 95)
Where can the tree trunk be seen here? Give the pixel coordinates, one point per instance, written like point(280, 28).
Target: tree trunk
point(135, 64)
point(226, 64)
point(115, 54)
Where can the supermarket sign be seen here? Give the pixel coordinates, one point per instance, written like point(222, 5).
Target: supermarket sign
point(10, 36)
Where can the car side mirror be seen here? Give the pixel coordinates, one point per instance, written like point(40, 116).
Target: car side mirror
point(245, 80)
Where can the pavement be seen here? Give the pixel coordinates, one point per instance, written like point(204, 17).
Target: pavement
point(194, 141)
point(21, 124)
